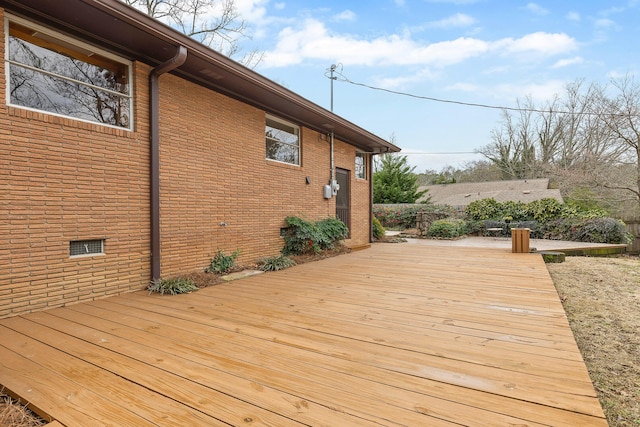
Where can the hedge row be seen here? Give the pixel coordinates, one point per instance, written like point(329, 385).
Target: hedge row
point(546, 218)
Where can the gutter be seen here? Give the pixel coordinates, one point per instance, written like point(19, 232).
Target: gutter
point(154, 131)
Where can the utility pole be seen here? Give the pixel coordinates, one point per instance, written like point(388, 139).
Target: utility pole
point(332, 69)
point(333, 184)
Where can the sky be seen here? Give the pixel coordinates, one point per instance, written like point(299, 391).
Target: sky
point(491, 52)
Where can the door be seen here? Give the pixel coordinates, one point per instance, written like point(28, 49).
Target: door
point(343, 199)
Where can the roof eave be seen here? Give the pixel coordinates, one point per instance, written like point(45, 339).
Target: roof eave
point(117, 26)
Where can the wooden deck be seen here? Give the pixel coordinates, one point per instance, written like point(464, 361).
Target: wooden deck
point(396, 335)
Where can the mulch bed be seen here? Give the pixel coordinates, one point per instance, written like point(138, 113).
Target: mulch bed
point(203, 279)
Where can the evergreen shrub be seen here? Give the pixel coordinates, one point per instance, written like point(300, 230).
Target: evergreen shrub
point(304, 236)
point(378, 229)
point(449, 228)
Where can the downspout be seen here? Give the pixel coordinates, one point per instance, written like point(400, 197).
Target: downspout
point(370, 170)
point(154, 112)
point(332, 180)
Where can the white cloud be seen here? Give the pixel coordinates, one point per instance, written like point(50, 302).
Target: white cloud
point(536, 9)
point(457, 20)
point(613, 11)
point(497, 69)
point(602, 29)
point(453, 1)
point(400, 3)
point(253, 11)
point(574, 16)
point(347, 15)
point(279, 6)
point(568, 61)
point(541, 43)
point(539, 92)
point(464, 87)
point(622, 74)
point(604, 23)
point(313, 41)
point(403, 81)
point(506, 94)
point(450, 52)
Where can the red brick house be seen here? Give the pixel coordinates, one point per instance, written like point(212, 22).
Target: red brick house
point(131, 152)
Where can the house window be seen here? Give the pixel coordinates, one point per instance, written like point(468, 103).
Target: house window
point(283, 141)
point(53, 73)
point(361, 166)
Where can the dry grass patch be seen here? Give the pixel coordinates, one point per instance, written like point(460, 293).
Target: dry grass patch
point(14, 414)
point(602, 299)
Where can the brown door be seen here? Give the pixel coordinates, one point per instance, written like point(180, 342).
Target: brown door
point(343, 199)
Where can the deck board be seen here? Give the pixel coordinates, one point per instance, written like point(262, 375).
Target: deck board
point(395, 335)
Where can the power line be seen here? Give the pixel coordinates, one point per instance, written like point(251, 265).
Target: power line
point(437, 154)
point(342, 78)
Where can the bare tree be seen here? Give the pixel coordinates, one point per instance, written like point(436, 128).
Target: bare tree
point(586, 138)
point(513, 149)
point(215, 23)
point(550, 130)
point(621, 116)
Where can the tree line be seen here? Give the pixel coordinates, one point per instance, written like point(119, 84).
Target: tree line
point(586, 140)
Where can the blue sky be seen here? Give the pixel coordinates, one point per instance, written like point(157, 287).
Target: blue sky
point(477, 51)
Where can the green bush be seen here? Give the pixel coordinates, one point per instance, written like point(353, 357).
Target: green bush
point(276, 263)
point(173, 286)
point(483, 209)
point(449, 228)
point(301, 236)
point(490, 209)
point(576, 211)
point(304, 236)
point(593, 230)
point(601, 230)
point(545, 210)
point(331, 230)
point(475, 227)
point(514, 211)
point(378, 229)
point(540, 211)
point(222, 263)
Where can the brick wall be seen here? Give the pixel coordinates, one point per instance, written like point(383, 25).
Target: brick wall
point(214, 171)
point(63, 180)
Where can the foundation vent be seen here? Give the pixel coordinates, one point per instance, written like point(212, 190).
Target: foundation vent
point(86, 247)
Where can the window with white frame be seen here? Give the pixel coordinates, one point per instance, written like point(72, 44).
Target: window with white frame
point(51, 72)
point(361, 165)
point(283, 141)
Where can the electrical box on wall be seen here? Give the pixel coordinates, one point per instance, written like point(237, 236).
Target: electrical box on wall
point(327, 191)
point(335, 187)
